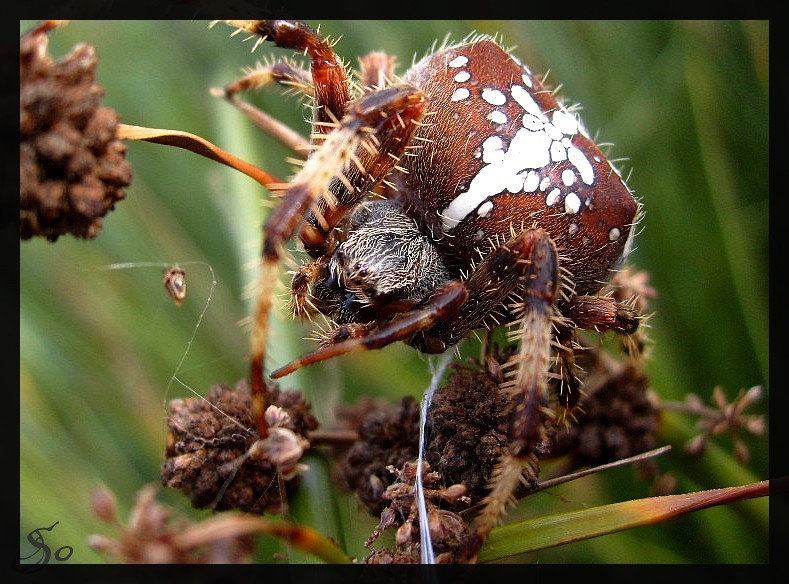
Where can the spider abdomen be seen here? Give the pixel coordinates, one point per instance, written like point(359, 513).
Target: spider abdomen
point(499, 152)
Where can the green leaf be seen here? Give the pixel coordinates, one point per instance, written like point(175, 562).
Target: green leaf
point(553, 530)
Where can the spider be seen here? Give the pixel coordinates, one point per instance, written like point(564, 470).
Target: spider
point(457, 197)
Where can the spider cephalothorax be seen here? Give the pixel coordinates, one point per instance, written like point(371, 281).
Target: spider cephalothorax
point(383, 265)
point(458, 197)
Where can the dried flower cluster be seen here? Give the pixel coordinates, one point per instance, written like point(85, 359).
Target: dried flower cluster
point(723, 417)
point(156, 534)
point(617, 417)
point(218, 461)
point(466, 434)
point(72, 168)
point(448, 530)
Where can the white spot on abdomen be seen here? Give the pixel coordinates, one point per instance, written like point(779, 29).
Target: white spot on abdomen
point(532, 123)
point(494, 96)
point(529, 150)
point(485, 208)
point(497, 117)
point(459, 61)
point(492, 150)
point(531, 182)
point(565, 122)
point(579, 160)
point(459, 94)
point(516, 167)
point(572, 204)
point(527, 102)
point(558, 152)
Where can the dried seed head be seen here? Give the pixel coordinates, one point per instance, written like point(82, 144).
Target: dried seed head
point(448, 531)
point(387, 437)
point(284, 448)
point(276, 416)
point(72, 168)
point(723, 417)
point(215, 457)
point(104, 506)
point(154, 533)
point(617, 418)
point(468, 428)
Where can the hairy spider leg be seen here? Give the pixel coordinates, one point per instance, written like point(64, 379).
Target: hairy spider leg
point(300, 304)
point(601, 313)
point(565, 368)
point(283, 73)
point(329, 77)
point(352, 156)
point(376, 71)
point(442, 304)
point(527, 374)
point(361, 150)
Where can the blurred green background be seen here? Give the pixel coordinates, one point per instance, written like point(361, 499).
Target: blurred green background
point(684, 103)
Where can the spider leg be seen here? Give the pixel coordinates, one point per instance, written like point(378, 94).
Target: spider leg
point(376, 71)
point(601, 313)
point(632, 289)
point(443, 304)
point(300, 303)
point(598, 313)
point(330, 80)
point(490, 286)
point(527, 375)
point(283, 73)
point(363, 148)
point(565, 368)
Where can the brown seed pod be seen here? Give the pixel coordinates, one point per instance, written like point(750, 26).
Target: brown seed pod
point(72, 168)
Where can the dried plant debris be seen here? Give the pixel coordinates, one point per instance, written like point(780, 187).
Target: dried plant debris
point(157, 534)
point(72, 168)
point(448, 530)
point(388, 437)
point(617, 417)
point(467, 433)
point(724, 417)
point(217, 459)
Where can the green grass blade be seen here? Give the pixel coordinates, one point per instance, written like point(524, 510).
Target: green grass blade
point(553, 530)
